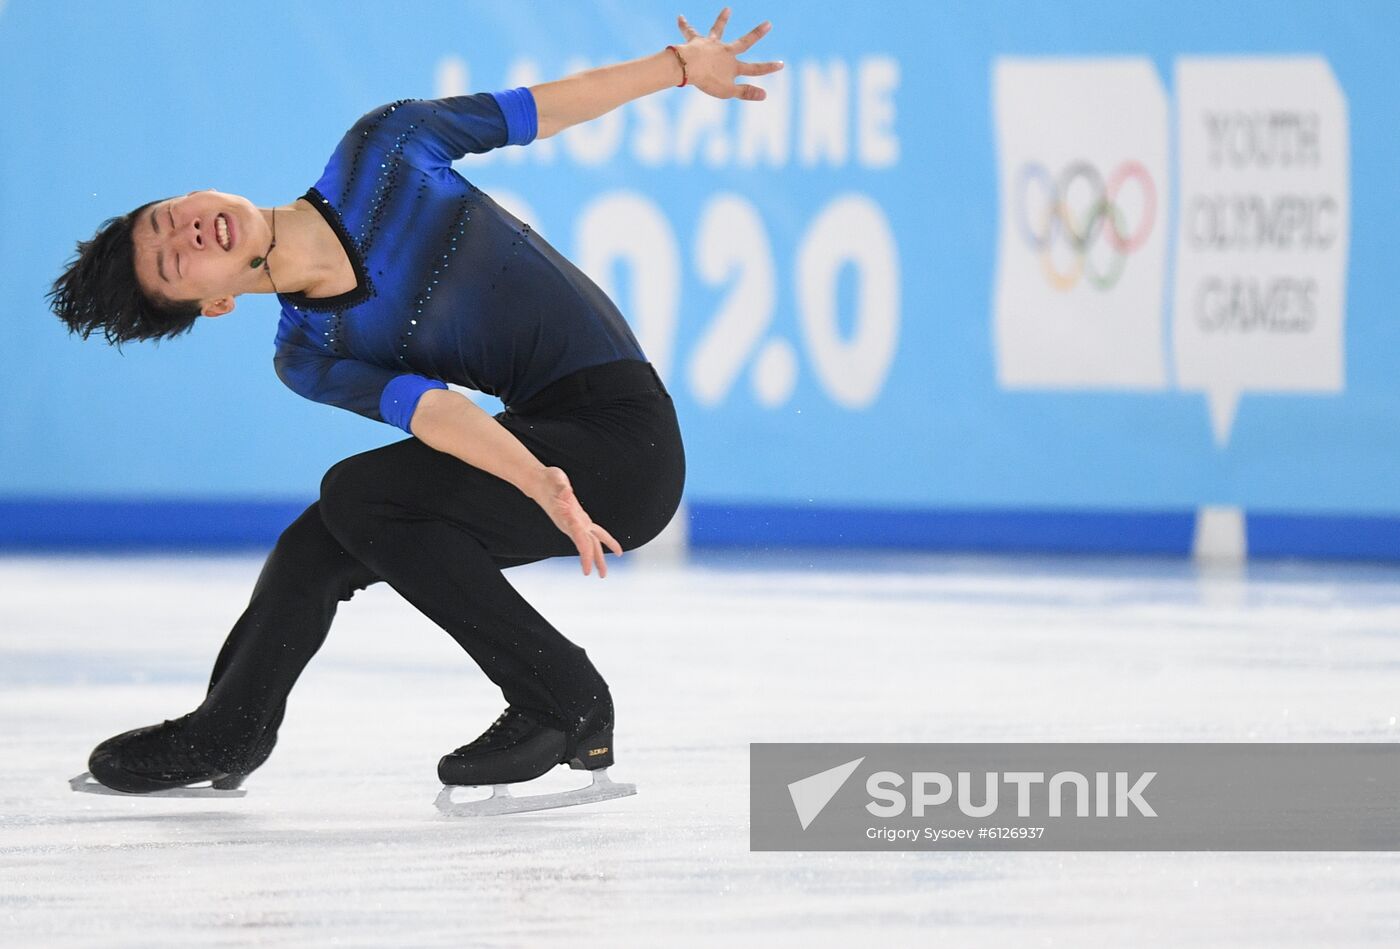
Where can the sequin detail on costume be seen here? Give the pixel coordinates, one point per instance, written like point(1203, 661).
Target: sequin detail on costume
point(389, 179)
point(422, 303)
point(366, 128)
point(451, 288)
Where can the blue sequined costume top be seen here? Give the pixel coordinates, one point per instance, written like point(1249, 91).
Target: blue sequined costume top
point(450, 286)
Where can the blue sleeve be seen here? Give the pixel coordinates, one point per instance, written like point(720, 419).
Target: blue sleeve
point(522, 120)
point(436, 132)
point(379, 394)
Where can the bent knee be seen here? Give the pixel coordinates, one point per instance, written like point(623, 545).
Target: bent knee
point(305, 535)
point(346, 494)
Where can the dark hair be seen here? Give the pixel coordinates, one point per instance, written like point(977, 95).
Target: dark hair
point(98, 290)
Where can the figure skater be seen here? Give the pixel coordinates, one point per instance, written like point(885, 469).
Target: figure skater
point(397, 276)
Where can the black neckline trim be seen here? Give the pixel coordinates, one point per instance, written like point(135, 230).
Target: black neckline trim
point(349, 298)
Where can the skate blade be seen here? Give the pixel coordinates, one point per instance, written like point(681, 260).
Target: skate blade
point(502, 801)
point(85, 783)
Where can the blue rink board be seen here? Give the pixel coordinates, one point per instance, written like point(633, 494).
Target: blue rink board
point(198, 525)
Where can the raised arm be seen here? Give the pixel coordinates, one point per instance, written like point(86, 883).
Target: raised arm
point(710, 65)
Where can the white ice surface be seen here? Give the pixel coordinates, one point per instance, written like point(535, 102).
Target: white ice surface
point(338, 843)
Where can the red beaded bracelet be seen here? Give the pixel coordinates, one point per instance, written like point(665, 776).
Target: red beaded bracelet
point(684, 77)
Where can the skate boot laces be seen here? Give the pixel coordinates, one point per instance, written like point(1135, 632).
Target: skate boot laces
point(509, 728)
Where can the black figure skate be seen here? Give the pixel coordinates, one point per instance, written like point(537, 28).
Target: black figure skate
point(163, 761)
point(518, 748)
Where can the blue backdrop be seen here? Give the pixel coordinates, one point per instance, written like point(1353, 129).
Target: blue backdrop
point(815, 276)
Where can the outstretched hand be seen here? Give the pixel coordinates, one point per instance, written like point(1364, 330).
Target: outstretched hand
point(555, 495)
point(711, 64)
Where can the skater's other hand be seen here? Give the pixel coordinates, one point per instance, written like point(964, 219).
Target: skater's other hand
point(555, 494)
point(712, 64)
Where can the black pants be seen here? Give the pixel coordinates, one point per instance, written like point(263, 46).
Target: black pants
point(440, 531)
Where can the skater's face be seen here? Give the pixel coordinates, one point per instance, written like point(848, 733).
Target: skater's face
point(200, 247)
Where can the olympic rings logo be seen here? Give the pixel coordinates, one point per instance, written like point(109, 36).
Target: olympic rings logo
point(1102, 218)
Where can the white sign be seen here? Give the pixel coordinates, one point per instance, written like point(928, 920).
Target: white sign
point(1260, 291)
point(1081, 260)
